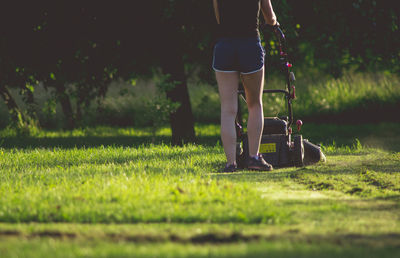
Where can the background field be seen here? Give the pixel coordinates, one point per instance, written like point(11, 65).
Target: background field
point(105, 192)
point(354, 97)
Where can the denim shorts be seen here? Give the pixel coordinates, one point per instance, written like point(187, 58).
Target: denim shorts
point(244, 55)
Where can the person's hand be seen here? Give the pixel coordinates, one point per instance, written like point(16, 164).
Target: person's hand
point(274, 22)
point(277, 25)
point(272, 27)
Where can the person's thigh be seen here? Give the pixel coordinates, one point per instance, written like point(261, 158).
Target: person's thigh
point(253, 85)
point(228, 83)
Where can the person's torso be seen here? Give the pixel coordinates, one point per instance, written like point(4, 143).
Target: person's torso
point(238, 18)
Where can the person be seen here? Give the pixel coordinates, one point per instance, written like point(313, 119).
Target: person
point(239, 55)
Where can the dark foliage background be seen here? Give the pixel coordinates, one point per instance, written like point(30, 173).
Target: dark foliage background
point(91, 43)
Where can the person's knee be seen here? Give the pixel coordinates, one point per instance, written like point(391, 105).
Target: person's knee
point(229, 111)
point(254, 105)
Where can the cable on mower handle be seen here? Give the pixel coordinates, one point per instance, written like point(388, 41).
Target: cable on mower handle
point(285, 65)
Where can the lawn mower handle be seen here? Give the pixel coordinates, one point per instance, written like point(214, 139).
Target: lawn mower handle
point(285, 67)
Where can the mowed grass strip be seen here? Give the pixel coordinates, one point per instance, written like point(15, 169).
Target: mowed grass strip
point(155, 183)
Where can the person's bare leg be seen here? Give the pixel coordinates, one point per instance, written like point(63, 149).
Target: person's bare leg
point(253, 84)
point(228, 85)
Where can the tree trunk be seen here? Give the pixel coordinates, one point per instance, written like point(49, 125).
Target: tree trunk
point(182, 122)
point(10, 103)
point(29, 99)
point(101, 95)
point(66, 106)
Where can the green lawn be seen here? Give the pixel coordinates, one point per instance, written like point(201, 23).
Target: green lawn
point(104, 192)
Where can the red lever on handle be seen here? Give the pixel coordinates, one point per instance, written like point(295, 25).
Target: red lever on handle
point(299, 123)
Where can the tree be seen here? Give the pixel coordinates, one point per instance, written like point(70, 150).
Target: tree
point(90, 43)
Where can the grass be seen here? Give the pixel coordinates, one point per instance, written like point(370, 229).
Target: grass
point(103, 192)
point(354, 97)
point(127, 249)
point(351, 98)
point(145, 184)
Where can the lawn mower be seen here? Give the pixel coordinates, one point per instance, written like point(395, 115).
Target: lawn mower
point(278, 146)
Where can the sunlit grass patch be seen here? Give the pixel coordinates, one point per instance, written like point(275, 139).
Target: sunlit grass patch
point(145, 184)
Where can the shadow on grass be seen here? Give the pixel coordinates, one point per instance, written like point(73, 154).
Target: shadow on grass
point(384, 136)
point(381, 165)
point(278, 175)
point(387, 143)
point(70, 142)
point(296, 244)
point(246, 176)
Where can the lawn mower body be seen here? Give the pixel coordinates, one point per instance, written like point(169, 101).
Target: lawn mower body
point(278, 146)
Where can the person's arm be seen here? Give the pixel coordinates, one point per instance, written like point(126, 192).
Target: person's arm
point(216, 10)
point(268, 12)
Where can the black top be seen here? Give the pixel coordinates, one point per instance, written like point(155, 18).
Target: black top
point(238, 18)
